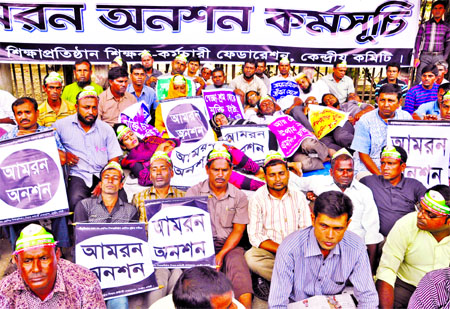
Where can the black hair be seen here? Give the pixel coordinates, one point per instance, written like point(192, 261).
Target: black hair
point(333, 204)
point(393, 65)
point(445, 87)
point(218, 70)
point(197, 285)
point(247, 94)
point(391, 88)
point(117, 72)
point(24, 100)
point(194, 59)
point(401, 151)
point(136, 66)
point(444, 3)
point(80, 61)
point(430, 68)
point(275, 162)
point(251, 61)
point(261, 60)
point(324, 95)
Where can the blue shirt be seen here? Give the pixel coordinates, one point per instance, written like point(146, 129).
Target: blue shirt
point(430, 108)
point(94, 148)
point(370, 136)
point(148, 96)
point(418, 95)
point(301, 271)
point(13, 134)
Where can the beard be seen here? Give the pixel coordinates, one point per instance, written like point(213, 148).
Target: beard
point(308, 89)
point(83, 84)
point(85, 121)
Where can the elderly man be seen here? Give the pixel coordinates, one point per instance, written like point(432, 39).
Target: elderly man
point(44, 280)
point(394, 194)
point(248, 81)
point(392, 73)
point(424, 92)
point(417, 244)
point(320, 259)
point(227, 206)
point(365, 222)
point(275, 211)
point(371, 130)
point(54, 108)
point(83, 74)
point(90, 144)
point(108, 207)
point(150, 72)
point(141, 92)
point(442, 67)
point(339, 84)
point(115, 99)
point(206, 72)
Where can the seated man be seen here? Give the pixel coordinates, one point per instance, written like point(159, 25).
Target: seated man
point(44, 280)
point(392, 73)
point(365, 222)
point(242, 84)
point(320, 259)
point(138, 88)
point(417, 244)
point(424, 92)
point(275, 211)
point(394, 194)
point(438, 110)
point(218, 80)
point(432, 291)
point(90, 145)
point(227, 206)
point(339, 84)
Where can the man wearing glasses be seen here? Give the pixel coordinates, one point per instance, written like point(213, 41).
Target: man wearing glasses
point(417, 244)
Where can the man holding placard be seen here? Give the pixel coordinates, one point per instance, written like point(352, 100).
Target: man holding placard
point(229, 216)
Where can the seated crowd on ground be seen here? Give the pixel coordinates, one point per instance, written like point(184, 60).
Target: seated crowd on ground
point(365, 224)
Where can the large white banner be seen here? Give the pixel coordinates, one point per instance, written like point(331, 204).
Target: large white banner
point(31, 179)
point(361, 32)
point(428, 147)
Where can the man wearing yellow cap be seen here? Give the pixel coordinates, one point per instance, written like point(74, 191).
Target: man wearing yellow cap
point(44, 280)
point(339, 84)
point(227, 206)
point(54, 108)
point(417, 244)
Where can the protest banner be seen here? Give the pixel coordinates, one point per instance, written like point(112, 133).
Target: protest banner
point(137, 117)
point(363, 33)
point(223, 101)
point(253, 140)
point(324, 119)
point(186, 119)
point(428, 148)
point(180, 233)
point(118, 254)
point(32, 182)
point(281, 87)
point(162, 87)
point(290, 134)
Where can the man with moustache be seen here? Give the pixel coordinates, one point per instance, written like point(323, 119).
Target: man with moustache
point(151, 74)
point(139, 90)
point(90, 144)
point(261, 67)
point(115, 99)
point(247, 81)
point(392, 73)
point(339, 84)
point(227, 206)
point(83, 73)
point(218, 79)
point(54, 108)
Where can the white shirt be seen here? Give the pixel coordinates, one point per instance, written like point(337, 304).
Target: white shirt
point(365, 222)
point(318, 89)
point(274, 219)
point(251, 115)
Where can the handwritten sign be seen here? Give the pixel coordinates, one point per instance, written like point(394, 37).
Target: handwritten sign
point(223, 101)
point(137, 117)
point(162, 87)
point(253, 140)
point(180, 233)
point(118, 254)
point(290, 134)
point(428, 147)
point(32, 184)
point(280, 88)
point(186, 119)
point(324, 119)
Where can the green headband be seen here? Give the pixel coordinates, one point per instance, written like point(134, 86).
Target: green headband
point(179, 80)
point(53, 77)
point(435, 202)
point(219, 152)
point(273, 155)
point(284, 60)
point(343, 64)
point(160, 155)
point(121, 131)
point(87, 91)
point(145, 53)
point(118, 60)
point(113, 165)
point(447, 95)
point(391, 152)
point(34, 236)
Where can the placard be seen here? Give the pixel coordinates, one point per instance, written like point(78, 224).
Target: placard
point(137, 117)
point(223, 101)
point(162, 87)
point(324, 119)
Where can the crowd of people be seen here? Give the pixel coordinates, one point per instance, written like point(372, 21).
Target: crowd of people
point(278, 235)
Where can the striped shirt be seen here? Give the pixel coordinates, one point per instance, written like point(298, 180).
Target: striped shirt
point(433, 37)
point(47, 116)
point(301, 272)
point(418, 95)
point(151, 194)
point(432, 291)
point(274, 219)
point(398, 82)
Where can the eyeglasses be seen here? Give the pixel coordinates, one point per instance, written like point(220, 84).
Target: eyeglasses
point(427, 213)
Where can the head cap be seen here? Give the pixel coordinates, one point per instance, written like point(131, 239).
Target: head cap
point(121, 131)
point(285, 60)
point(145, 53)
point(160, 155)
point(391, 152)
point(118, 60)
point(435, 202)
point(343, 64)
point(53, 77)
point(88, 91)
point(34, 236)
point(300, 75)
point(219, 152)
point(181, 57)
point(179, 80)
point(113, 165)
point(340, 152)
point(447, 96)
point(273, 155)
